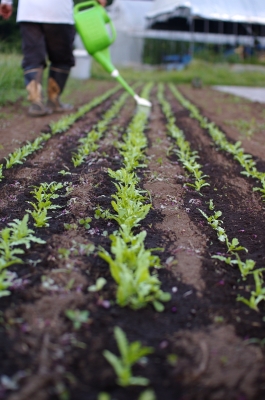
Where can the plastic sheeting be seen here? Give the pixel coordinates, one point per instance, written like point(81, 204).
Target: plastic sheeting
point(130, 15)
point(129, 18)
point(248, 11)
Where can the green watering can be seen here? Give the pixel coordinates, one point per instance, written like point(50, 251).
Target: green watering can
point(91, 22)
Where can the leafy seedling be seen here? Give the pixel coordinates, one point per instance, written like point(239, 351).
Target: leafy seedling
point(100, 283)
point(78, 317)
point(130, 354)
point(85, 222)
point(148, 394)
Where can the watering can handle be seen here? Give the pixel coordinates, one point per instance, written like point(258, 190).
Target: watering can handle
point(94, 3)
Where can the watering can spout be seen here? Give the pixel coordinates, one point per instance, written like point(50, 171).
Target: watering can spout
point(90, 21)
point(103, 58)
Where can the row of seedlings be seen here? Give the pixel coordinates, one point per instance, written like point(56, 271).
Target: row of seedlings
point(17, 234)
point(231, 257)
point(63, 124)
point(131, 267)
point(88, 144)
point(186, 155)
point(245, 160)
point(130, 261)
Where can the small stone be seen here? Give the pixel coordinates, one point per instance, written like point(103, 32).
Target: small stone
point(163, 344)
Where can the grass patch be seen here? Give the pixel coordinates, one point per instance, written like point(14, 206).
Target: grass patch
point(210, 74)
point(247, 128)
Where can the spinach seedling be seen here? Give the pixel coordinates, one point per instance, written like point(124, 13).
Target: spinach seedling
point(130, 354)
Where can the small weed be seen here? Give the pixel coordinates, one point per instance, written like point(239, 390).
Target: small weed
point(78, 317)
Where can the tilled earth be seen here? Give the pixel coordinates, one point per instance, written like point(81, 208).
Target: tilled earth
point(216, 341)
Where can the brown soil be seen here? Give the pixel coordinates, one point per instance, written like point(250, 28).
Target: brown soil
point(215, 340)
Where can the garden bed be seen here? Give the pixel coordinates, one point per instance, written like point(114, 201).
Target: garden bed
point(206, 344)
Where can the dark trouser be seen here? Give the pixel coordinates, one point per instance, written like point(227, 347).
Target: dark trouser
point(40, 40)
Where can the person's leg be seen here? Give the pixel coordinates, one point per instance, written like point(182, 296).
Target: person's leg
point(34, 51)
point(59, 42)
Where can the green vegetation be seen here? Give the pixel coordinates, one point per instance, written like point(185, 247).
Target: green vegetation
point(78, 317)
point(11, 78)
point(245, 160)
point(247, 128)
point(130, 354)
point(21, 154)
point(44, 194)
point(64, 123)
point(12, 238)
point(187, 157)
point(131, 262)
point(88, 143)
point(209, 73)
point(232, 258)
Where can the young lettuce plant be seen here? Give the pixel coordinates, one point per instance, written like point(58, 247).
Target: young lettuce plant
point(130, 353)
point(44, 194)
point(130, 268)
point(258, 294)
point(12, 238)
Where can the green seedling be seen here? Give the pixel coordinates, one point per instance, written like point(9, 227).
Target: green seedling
point(64, 173)
point(130, 354)
point(85, 222)
point(148, 394)
point(1, 172)
point(258, 294)
point(64, 253)
point(104, 396)
point(78, 317)
point(197, 185)
point(245, 267)
point(211, 205)
point(159, 161)
point(5, 283)
point(43, 195)
point(172, 360)
point(100, 283)
point(234, 246)
point(130, 268)
point(12, 238)
point(227, 260)
point(70, 227)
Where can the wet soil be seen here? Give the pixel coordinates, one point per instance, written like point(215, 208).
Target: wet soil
point(207, 345)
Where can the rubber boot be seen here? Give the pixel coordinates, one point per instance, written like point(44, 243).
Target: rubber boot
point(33, 80)
point(56, 84)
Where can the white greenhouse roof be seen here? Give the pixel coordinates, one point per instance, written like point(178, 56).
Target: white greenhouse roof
point(248, 11)
point(130, 15)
